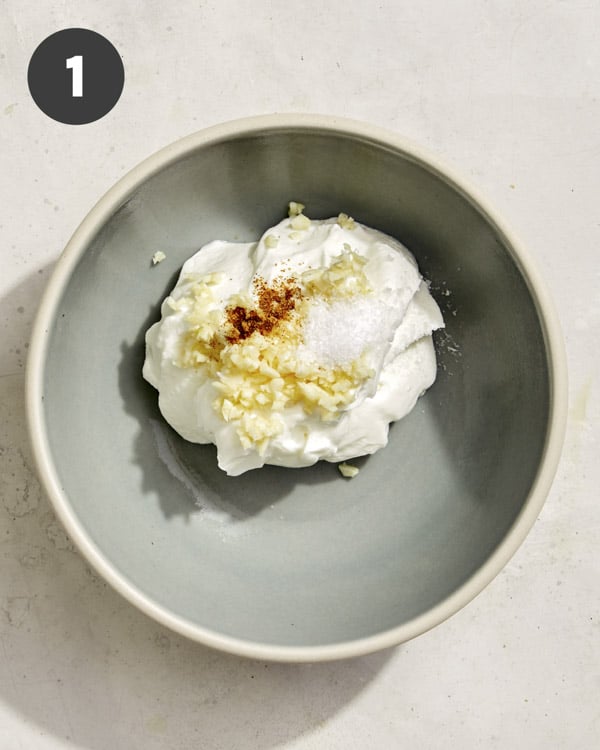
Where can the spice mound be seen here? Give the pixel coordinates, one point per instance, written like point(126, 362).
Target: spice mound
point(300, 347)
point(274, 304)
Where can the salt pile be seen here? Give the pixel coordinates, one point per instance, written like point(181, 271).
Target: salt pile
point(338, 332)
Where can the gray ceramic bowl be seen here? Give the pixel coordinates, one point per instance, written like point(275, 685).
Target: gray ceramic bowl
point(297, 564)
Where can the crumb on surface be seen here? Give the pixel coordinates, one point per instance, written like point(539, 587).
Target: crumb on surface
point(158, 257)
point(347, 470)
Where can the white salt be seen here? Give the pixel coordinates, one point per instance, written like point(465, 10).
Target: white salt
point(338, 332)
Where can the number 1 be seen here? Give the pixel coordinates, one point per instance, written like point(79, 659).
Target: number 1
point(76, 64)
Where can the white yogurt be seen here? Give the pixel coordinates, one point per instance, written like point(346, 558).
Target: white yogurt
point(354, 353)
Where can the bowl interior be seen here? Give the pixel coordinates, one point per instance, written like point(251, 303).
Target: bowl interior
point(281, 556)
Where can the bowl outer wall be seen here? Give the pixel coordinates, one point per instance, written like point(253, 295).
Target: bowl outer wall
point(114, 198)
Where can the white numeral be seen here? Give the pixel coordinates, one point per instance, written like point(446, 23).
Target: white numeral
point(76, 64)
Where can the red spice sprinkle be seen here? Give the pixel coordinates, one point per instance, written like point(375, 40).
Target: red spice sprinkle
point(275, 303)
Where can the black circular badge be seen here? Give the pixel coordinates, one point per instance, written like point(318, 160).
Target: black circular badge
point(75, 76)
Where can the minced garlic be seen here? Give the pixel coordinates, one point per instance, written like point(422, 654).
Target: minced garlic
point(343, 278)
point(295, 208)
point(347, 470)
point(300, 222)
point(250, 349)
point(346, 222)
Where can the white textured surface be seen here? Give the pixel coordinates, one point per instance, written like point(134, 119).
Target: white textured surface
point(390, 328)
point(508, 92)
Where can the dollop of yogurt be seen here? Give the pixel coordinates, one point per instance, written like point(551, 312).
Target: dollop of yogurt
point(303, 346)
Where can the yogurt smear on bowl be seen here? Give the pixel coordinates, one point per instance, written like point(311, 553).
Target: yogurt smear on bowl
point(300, 347)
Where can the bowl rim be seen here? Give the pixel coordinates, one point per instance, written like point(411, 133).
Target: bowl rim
point(34, 390)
